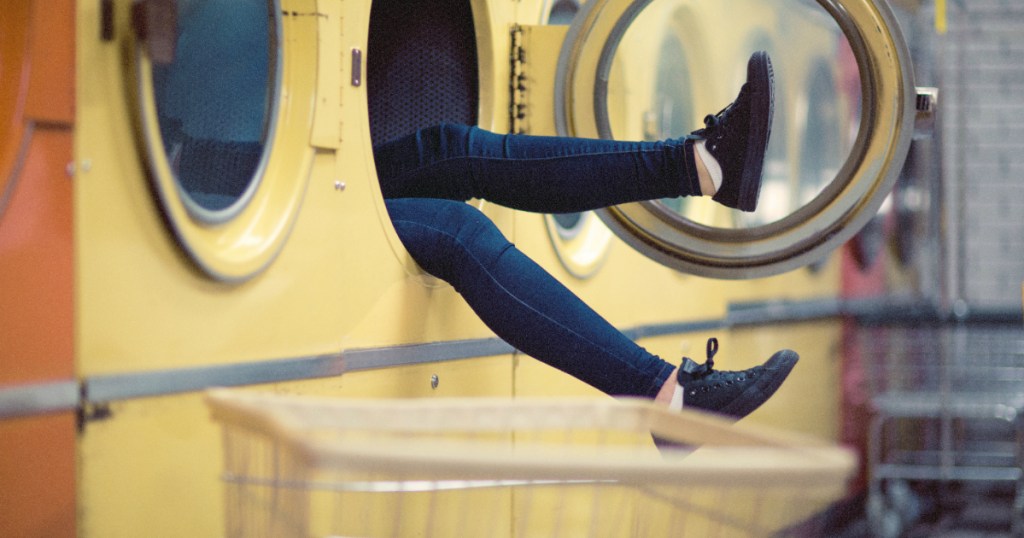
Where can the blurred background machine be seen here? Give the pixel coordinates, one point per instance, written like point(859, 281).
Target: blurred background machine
point(945, 381)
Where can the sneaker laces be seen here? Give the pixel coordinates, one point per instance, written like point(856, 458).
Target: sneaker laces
point(718, 123)
point(697, 371)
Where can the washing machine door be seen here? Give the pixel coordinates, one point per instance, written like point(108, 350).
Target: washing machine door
point(844, 117)
point(225, 112)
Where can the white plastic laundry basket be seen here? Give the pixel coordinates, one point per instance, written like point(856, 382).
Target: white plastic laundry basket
point(302, 466)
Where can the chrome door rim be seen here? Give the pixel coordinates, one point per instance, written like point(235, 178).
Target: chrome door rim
point(812, 231)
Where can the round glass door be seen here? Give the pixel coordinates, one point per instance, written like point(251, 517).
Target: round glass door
point(214, 101)
point(227, 152)
point(652, 69)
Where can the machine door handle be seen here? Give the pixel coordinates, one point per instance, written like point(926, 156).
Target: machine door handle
point(155, 23)
point(927, 106)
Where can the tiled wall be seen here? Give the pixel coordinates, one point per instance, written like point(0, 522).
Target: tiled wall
point(981, 72)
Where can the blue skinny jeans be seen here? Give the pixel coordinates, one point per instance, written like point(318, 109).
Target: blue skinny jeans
point(426, 177)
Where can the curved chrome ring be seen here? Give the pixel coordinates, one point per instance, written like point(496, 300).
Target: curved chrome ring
point(812, 231)
point(238, 242)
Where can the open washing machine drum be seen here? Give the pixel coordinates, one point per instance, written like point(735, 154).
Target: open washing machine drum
point(421, 66)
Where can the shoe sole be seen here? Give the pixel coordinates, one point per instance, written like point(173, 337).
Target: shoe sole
point(778, 366)
point(761, 78)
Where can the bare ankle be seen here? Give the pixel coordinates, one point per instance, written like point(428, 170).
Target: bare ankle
point(664, 396)
point(707, 186)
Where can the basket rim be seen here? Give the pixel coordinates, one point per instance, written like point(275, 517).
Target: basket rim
point(735, 454)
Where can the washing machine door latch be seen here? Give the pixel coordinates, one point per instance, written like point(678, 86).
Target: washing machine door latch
point(155, 23)
point(927, 105)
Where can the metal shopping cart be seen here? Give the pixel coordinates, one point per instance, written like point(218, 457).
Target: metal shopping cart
point(303, 466)
point(949, 409)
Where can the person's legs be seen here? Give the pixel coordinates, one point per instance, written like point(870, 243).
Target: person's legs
point(534, 173)
point(551, 174)
point(520, 301)
point(528, 308)
point(425, 175)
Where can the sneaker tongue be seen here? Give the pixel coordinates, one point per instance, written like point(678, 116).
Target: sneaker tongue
point(690, 370)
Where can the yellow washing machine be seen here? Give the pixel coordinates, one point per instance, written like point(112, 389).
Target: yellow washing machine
point(228, 228)
point(650, 70)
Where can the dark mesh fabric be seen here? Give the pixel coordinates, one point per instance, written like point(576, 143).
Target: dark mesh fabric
point(421, 66)
point(216, 173)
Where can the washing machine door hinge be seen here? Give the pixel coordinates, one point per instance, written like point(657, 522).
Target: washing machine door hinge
point(926, 108)
point(517, 83)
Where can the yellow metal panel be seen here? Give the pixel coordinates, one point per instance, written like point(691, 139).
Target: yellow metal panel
point(541, 44)
point(327, 118)
point(809, 400)
point(153, 468)
point(491, 20)
point(150, 470)
point(141, 305)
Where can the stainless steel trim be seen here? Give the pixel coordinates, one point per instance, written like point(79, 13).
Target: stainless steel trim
point(105, 388)
point(38, 398)
point(927, 105)
point(679, 327)
point(775, 312)
point(372, 358)
point(110, 387)
point(357, 67)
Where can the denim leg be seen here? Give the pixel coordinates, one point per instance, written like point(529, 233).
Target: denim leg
point(546, 174)
point(520, 301)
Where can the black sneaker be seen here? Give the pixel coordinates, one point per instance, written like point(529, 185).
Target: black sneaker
point(733, 394)
point(738, 135)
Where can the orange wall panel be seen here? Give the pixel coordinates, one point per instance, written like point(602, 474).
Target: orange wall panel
point(52, 41)
point(37, 454)
point(36, 273)
point(37, 470)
